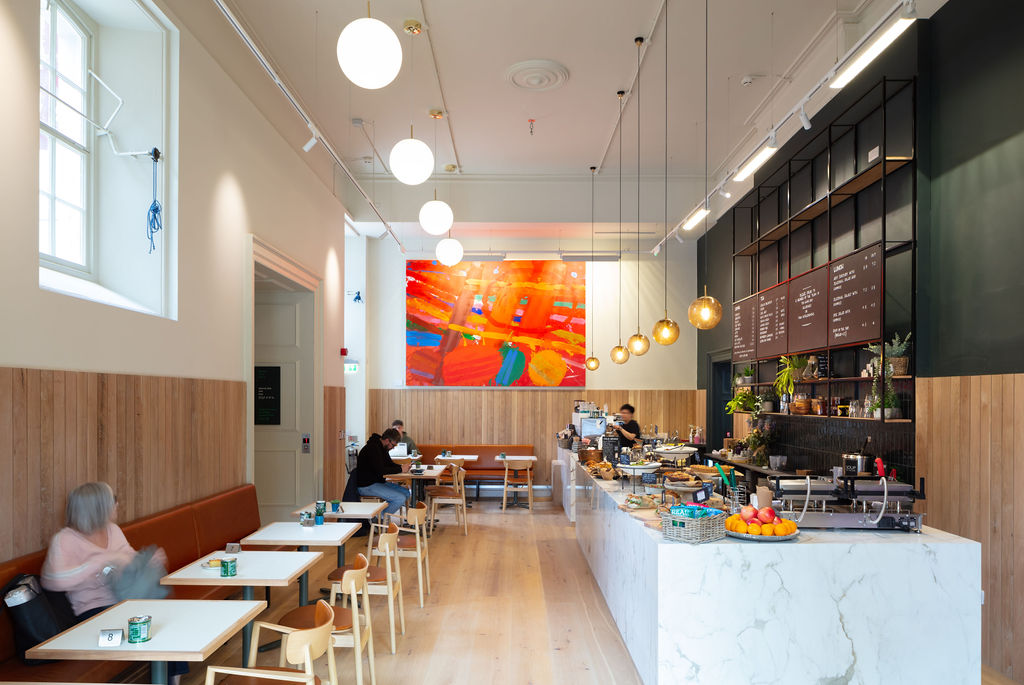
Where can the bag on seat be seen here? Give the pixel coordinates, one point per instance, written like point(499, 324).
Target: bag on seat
point(36, 614)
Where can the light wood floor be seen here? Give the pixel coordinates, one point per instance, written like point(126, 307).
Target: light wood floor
point(514, 602)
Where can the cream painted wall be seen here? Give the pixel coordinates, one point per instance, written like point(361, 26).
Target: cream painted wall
point(237, 175)
point(672, 367)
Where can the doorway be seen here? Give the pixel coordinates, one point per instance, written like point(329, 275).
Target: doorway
point(721, 393)
point(284, 389)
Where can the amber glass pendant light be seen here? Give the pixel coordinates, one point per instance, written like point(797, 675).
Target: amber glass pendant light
point(592, 363)
point(638, 342)
point(619, 354)
point(666, 331)
point(705, 312)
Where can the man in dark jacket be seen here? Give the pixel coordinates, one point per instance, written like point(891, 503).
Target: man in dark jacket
point(373, 464)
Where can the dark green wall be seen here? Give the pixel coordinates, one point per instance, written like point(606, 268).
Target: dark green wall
point(970, 306)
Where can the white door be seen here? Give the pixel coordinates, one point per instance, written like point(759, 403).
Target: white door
point(283, 338)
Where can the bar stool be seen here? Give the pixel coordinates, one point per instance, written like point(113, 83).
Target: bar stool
point(454, 494)
point(516, 482)
point(383, 581)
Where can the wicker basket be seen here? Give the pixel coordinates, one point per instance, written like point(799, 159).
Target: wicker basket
point(900, 365)
point(683, 528)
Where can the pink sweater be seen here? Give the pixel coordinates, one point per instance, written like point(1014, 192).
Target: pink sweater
point(74, 565)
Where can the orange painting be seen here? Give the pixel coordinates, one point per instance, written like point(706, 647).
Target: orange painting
point(504, 324)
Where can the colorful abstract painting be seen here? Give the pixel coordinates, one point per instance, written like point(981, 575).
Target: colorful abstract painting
point(516, 323)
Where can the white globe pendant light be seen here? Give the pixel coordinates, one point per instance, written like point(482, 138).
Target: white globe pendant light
point(411, 161)
point(449, 252)
point(369, 53)
point(436, 217)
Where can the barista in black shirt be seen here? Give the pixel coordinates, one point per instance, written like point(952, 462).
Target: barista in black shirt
point(629, 431)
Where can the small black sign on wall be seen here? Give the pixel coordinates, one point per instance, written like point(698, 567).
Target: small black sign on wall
point(267, 382)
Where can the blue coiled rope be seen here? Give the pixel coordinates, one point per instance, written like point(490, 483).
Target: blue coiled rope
point(154, 222)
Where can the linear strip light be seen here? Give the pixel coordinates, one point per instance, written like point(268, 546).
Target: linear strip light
point(759, 158)
point(875, 49)
point(696, 218)
point(484, 257)
point(588, 257)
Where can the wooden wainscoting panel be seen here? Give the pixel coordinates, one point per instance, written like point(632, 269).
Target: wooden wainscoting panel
point(527, 416)
point(970, 451)
point(334, 449)
point(158, 441)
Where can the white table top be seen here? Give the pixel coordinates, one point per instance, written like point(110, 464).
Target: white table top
point(182, 630)
point(293, 533)
point(349, 510)
point(277, 569)
point(464, 457)
point(515, 457)
point(430, 472)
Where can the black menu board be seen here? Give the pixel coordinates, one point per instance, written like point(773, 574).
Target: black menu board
point(772, 339)
point(808, 311)
point(744, 329)
point(267, 391)
point(855, 297)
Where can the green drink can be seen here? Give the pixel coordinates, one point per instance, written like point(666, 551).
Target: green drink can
point(228, 567)
point(139, 629)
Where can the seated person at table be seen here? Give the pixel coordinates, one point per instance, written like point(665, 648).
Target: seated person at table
point(410, 444)
point(373, 464)
point(86, 550)
point(629, 430)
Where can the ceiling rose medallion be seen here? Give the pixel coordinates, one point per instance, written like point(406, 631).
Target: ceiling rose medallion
point(537, 74)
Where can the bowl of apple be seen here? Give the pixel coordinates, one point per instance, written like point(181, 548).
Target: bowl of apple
point(760, 525)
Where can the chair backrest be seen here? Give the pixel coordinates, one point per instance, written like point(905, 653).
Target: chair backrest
point(308, 645)
point(513, 464)
point(417, 515)
point(354, 579)
point(452, 466)
point(388, 542)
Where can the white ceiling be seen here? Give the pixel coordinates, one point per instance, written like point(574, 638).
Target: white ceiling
point(477, 41)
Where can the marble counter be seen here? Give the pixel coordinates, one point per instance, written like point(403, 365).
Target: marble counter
point(830, 606)
point(566, 477)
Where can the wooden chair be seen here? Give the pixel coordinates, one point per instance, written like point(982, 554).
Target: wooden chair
point(414, 544)
point(446, 477)
point(383, 581)
point(515, 481)
point(303, 648)
point(454, 494)
point(351, 628)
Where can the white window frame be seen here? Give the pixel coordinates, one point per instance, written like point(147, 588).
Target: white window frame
point(85, 271)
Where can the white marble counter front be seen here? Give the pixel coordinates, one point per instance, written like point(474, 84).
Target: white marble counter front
point(830, 606)
point(567, 482)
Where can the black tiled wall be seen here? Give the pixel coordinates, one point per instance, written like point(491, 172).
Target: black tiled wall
point(818, 444)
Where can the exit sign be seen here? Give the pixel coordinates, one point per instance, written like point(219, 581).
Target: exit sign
point(351, 367)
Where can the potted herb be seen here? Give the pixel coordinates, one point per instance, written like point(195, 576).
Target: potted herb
point(766, 401)
point(895, 354)
point(748, 375)
point(885, 400)
point(335, 505)
point(791, 370)
point(742, 401)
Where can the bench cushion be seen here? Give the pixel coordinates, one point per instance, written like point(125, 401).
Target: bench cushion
point(227, 517)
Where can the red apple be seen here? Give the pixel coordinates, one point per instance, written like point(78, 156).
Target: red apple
point(766, 515)
point(777, 521)
point(748, 513)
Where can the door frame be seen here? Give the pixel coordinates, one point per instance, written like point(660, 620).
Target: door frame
point(713, 357)
point(258, 251)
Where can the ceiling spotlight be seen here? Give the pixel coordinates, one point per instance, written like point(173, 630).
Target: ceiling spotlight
point(724, 193)
point(679, 237)
point(805, 120)
point(309, 144)
point(369, 53)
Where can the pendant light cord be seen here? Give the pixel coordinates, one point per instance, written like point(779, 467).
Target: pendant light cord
point(639, 44)
point(665, 248)
point(707, 124)
point(593, 335)
point(620, 94)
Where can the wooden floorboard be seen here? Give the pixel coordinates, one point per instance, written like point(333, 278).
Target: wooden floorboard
point(514, 602)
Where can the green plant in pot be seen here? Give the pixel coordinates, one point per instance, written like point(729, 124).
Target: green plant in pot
point(748, 375)
point(742, 401)
point(766, 402)
point(895, 354)
point(791, 370)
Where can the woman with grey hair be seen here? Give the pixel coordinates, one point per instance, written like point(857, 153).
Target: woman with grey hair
point(86, 550)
